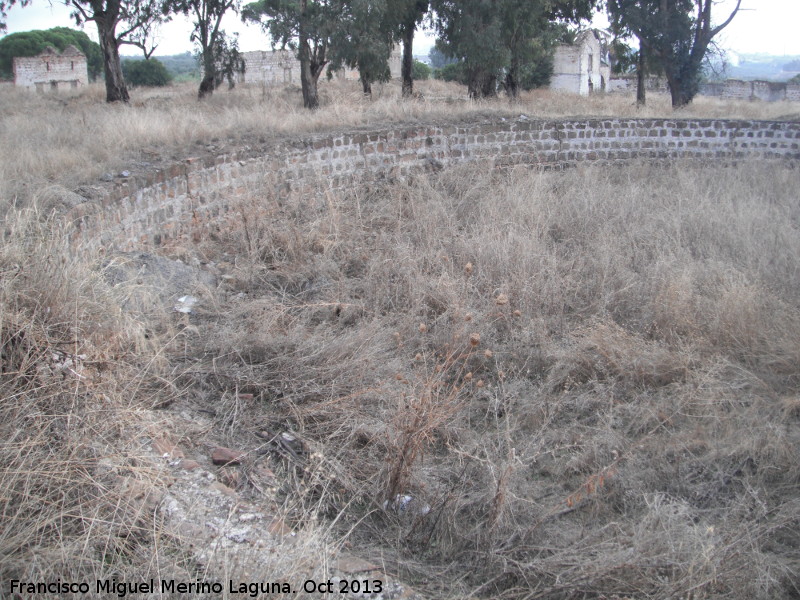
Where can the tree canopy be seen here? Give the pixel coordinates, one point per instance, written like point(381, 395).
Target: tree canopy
point(676, 34)
point(31, 43)
point(305, 26)
point(504, 40)
point(219, 53)
point(363, 40)
point(150, 72)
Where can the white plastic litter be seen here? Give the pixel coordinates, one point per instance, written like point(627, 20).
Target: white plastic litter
point(185, 304)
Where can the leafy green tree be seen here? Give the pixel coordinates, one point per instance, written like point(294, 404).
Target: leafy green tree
point(406, 15)
point(130, 16)
point(219, 55)
point(363, 40)
point(675, 33)
point(471, 31)
point(530, 31)
point(627, 60)
point(438, 59)
point(305, 26)
point(504, 39)
point(452, 71)
point(148, 73)
point(535, 72)
point(421, 71)
point(31, 43)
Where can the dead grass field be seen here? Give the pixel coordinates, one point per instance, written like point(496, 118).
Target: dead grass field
point(77, 138)
point(577, 384)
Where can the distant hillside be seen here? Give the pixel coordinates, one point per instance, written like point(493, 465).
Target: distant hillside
point(764, 66)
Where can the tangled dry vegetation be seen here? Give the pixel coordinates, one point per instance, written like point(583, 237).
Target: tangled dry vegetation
point(528, 384)
point(512, 384)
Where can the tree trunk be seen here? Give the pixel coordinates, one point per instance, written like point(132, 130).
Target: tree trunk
point(116, 90)
point(206, 86)
point(207, 83)
point(307, 79)
point(641, 92)
point(366, 85)
point(680, 96)
point(311, 67)
point(489, 86)
point(407, 69)
point(473, 89)
point(682, 86)
point(512, 85)
point(512, 89)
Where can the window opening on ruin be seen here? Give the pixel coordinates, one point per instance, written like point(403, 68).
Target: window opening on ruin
point(287, 76)
point(591, 62)
point(54, 85)
point(72, 65)
point(48, 66)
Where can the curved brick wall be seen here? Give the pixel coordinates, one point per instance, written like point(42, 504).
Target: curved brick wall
point(143, 211)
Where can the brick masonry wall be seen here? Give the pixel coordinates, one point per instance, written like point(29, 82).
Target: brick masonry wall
point(189, 197)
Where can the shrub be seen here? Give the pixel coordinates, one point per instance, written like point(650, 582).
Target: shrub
point(421, 70)
point(150, 73)
point(452, 72)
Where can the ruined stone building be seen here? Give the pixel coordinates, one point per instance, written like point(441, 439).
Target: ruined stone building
point(51, 70)
point(271, 67)
point(279, 67)
point(581, 68)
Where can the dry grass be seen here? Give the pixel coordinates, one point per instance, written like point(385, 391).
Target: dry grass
point(80, 380)
point(70, 362)
point(509, 385)
point(623, 423)
point(75, 138)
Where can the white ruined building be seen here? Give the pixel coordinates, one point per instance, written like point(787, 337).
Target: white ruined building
point(51, 70)
point(279, 67)
point(581, 68)
point(270, 67)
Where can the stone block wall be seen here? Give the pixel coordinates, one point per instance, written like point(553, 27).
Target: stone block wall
point(627, 84)
point(270, 67)
point(767, 91)
point(278, 67)
point(734, 89)
point(187, 198)
point(51, 70)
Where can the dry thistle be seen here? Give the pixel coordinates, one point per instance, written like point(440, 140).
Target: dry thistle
point(468, 269)
point(474, 339)
point(418, 357)
point(423, 328)
point(488, 353)
point(468, 376)
point(501, 300)
point(479, 383)
point(517, 313)
point(468, 317)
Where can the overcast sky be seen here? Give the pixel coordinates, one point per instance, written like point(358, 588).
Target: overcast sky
point(768, 26)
